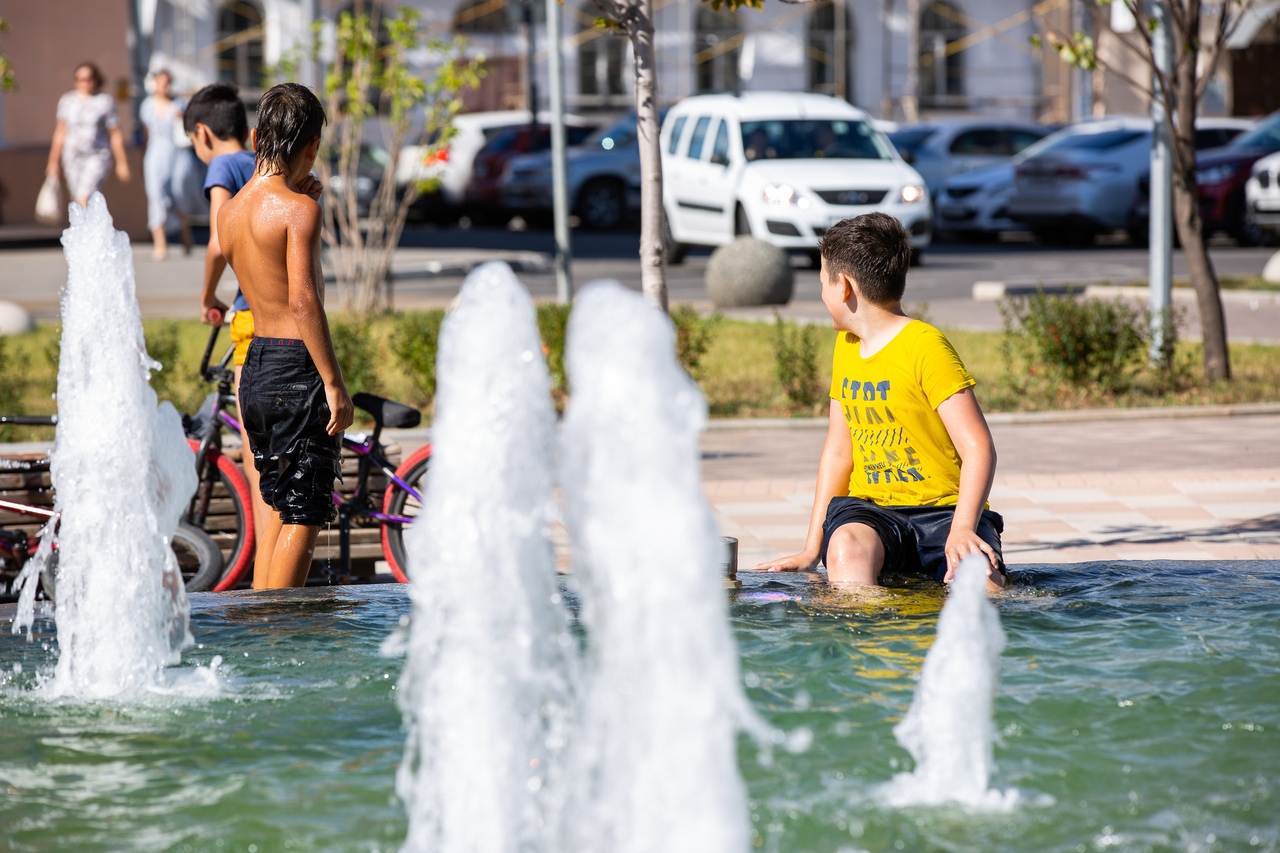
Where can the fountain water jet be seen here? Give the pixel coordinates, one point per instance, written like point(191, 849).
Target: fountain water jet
point(123, 474)
point(487, 684)
point(950, 727)
point(653, 762)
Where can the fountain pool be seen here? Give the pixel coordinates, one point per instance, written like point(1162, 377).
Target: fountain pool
point(1138, 709)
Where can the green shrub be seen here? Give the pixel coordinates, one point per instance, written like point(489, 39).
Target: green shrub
point(357, 354)
point(415, 342)
point(163, 345)
point(553, 321)
point(1088, 343)
point(694, 334)
point(795, 351)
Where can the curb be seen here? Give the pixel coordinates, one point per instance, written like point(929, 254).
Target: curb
point(1065, 416)
point(994, 291)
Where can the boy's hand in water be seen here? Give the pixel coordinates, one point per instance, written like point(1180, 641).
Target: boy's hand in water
point(341, 410)
point(794, 563)
point(310, 186)
point(962, 543)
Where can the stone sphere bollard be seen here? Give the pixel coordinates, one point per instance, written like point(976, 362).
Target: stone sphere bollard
point(749, 272)
point(1271, 272)
point(14, 319)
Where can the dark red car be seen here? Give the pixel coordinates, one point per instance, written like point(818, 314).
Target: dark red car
point(483, 195)
point(1222, 173)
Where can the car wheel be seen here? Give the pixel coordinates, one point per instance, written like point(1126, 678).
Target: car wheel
point(676, 252)
point(741, 225)
point(601, 204)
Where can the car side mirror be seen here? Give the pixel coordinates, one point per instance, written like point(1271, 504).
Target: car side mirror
point(720, 159)
point(908, 157)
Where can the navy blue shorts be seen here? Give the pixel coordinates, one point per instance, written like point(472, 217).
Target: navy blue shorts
point(285, 414)
point(914, 537)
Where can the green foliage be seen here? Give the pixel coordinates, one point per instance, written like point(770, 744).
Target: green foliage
point(13, 384)
point(415, 342)
point(8, 82)
point(164, 347)
point(1077, 50)
point(357, 353)
point(1098, 344)
point(553, 322)
point(694, 334)
point(795, 351)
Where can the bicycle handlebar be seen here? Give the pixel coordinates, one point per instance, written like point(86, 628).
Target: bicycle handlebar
point(29, 420)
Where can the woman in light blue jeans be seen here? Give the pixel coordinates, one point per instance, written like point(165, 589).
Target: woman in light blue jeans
point(160, 114)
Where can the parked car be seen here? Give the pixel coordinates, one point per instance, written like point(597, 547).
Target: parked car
point(1083, 180)
point(483, 195)
point(976, 204)
point(942, 149)
point(1262, 198)
point(1221, 177)
point(603, 177)
point(783, 167)
point(1211, 135)
point(451, 167)
point(370, 168)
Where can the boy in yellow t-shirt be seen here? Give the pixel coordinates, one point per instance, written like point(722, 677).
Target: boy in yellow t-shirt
point(908, 462)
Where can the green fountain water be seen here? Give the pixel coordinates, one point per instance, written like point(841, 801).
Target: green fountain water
point(1138, 709)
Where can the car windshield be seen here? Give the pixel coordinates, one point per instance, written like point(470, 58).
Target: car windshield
point(911, 138)
point(1265, 136)
point(618, 135)
point(807, 139)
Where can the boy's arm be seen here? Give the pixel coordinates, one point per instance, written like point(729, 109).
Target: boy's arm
point(214, 261)
point(302, 263)
point(834, 468)
point(963, 419)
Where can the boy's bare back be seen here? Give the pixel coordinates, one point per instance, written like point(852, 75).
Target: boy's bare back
point(270, 235)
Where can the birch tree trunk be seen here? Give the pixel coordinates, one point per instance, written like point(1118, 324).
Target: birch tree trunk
point(653, 241)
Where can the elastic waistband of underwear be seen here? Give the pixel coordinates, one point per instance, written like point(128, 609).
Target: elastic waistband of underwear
point(279, 342)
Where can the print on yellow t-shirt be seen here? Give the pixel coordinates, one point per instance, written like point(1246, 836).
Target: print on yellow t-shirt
point(902, 454)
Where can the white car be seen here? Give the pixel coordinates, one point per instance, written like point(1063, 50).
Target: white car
point(976, 204)
point(452, 166)
point(1262, 196)
point(782, 167)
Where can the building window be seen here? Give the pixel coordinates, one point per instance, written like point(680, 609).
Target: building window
point(941, 66)
point(826, 49)
point(717, 43)
point(496, 17)
point(241, 36)
point(601, 58)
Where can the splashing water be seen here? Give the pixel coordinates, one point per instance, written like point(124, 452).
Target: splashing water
point(950, 727)
point(486, 685)
point(123, 474)
point(653, 764)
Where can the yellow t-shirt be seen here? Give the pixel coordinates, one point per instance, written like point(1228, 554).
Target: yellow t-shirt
point(902, 454)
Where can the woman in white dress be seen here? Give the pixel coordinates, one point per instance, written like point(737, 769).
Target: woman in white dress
point(159, 113)
point(87, 136)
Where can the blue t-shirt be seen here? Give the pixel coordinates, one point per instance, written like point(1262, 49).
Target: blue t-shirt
point(232, 171)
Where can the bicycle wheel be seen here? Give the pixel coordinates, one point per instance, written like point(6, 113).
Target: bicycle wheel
point(399, 502)
point(199, 558)
point(232, 526)
point(199, 561)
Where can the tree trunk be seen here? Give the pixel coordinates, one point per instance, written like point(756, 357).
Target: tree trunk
point(653, 238)
point(1213, 327)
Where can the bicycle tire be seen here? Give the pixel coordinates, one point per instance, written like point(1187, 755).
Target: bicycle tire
point(199, 557)
point(397, 501)
point(199, 561)
point(240, 555)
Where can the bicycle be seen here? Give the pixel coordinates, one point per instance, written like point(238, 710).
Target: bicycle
point(391, 511)
point(199, 559)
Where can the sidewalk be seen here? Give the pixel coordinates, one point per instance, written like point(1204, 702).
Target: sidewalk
point(1157, 488)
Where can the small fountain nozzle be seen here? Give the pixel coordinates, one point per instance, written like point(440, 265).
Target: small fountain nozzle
point(729, 562)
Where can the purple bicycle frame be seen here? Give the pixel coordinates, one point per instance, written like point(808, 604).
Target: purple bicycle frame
point(364, 449)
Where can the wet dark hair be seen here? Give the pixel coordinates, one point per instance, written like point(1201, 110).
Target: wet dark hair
point(872, 249)
point(98, 79)
point(290, 117)
point(218, 107)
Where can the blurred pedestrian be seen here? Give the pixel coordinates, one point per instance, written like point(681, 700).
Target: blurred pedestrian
point(161, 114)
point(87, 136)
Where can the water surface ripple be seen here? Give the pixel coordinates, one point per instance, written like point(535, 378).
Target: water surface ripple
point(1138, 710)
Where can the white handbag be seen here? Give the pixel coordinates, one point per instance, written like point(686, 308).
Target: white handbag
point(50, 208)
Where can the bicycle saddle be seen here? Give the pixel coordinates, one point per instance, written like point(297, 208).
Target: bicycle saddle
point(387, 413)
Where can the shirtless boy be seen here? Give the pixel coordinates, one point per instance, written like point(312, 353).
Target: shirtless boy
point(293, 400)
point(908, 462)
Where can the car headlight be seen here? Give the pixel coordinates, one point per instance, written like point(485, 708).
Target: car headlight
point(1215, 174)
point(784, 195)
point(912, 194)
